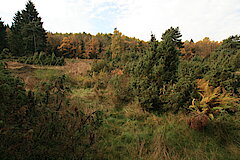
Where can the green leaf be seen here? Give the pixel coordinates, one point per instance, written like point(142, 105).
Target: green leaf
point(217, 108)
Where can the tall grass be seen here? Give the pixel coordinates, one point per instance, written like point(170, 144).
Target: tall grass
point(134, 134)
point(46, 74)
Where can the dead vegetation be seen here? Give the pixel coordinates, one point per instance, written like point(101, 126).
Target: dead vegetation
point(26, 71)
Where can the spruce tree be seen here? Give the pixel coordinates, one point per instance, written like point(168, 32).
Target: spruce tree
point(34, 35)
point(170, 45)
point(3, 42)
point(28, 35)
point(15, 38)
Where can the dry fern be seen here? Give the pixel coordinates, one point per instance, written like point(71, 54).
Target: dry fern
point(213, 101)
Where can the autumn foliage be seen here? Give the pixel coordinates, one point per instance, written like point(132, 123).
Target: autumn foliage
point(202, 48)
point(87, 46)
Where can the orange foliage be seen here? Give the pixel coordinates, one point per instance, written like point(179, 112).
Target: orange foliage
point(85, 45)
point(92, 48)
point(201, 48)
point(117, 72)
point(68, 47)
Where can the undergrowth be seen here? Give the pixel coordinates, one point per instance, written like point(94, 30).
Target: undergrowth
point(86, 124)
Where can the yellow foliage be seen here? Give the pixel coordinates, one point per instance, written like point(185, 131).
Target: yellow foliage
point(214, 100)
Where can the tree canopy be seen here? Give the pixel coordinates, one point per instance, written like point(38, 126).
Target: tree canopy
point(3, 41)
point(27, 33)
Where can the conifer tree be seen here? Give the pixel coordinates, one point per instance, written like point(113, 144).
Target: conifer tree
point(34, 35)
point(3, 42)
point(223, 65)
point(116, 44)
point(15, 38)
point(28, 35)
point(156, 68)
point(170, 45)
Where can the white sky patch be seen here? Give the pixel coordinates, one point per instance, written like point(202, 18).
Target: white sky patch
point(216, 19)
point(196, 19)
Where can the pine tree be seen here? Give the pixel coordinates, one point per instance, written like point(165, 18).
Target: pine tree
point(173, 36)
point(3, 42)
point(223, 65)
point(34, 35)
point(28, 35)
point(15, 38)
point(170, 45)
point(156, 68)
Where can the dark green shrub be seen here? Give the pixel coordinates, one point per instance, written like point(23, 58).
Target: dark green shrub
point(12, 92)
point(156, 68)
point(121, 93)
point(223, 65)
point(102, 65)
point(43, 59)
point(5, 54)
point(43, 124)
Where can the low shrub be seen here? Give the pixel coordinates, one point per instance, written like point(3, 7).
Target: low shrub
point(213, 102)
point(120, 91)
point(5, 54)
point(43, 59)
point(43, 124)
point(101, 65)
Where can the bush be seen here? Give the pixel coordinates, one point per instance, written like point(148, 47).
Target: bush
point(101, 65)
point(12, 92)
point(5, 54)
point(156, 68)
point(178, 96)
point(43, 59)
point(43, 124)
point(213, 102)
point(121, 93)
point(223, 65)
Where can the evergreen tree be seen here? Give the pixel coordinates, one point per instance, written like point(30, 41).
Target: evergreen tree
point(28, 35)
point(3, 42)
point(34, 35)
point(170, 45)
point(173, 35)
point(155, 69)
point(15, 38)
point(223, 65)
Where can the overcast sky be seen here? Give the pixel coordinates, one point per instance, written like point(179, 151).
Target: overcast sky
point(216, 19)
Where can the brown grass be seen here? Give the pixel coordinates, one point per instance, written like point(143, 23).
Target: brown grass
point(77, 67)
point(26, 71)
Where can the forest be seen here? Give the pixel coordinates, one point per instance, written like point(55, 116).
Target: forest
point(110, 96)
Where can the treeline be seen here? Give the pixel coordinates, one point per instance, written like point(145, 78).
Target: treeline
point(27, 36)
point(202, 48)
point(83, 45)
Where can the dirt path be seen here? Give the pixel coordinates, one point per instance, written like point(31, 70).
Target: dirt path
point(26, 71)
point(72, 67)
